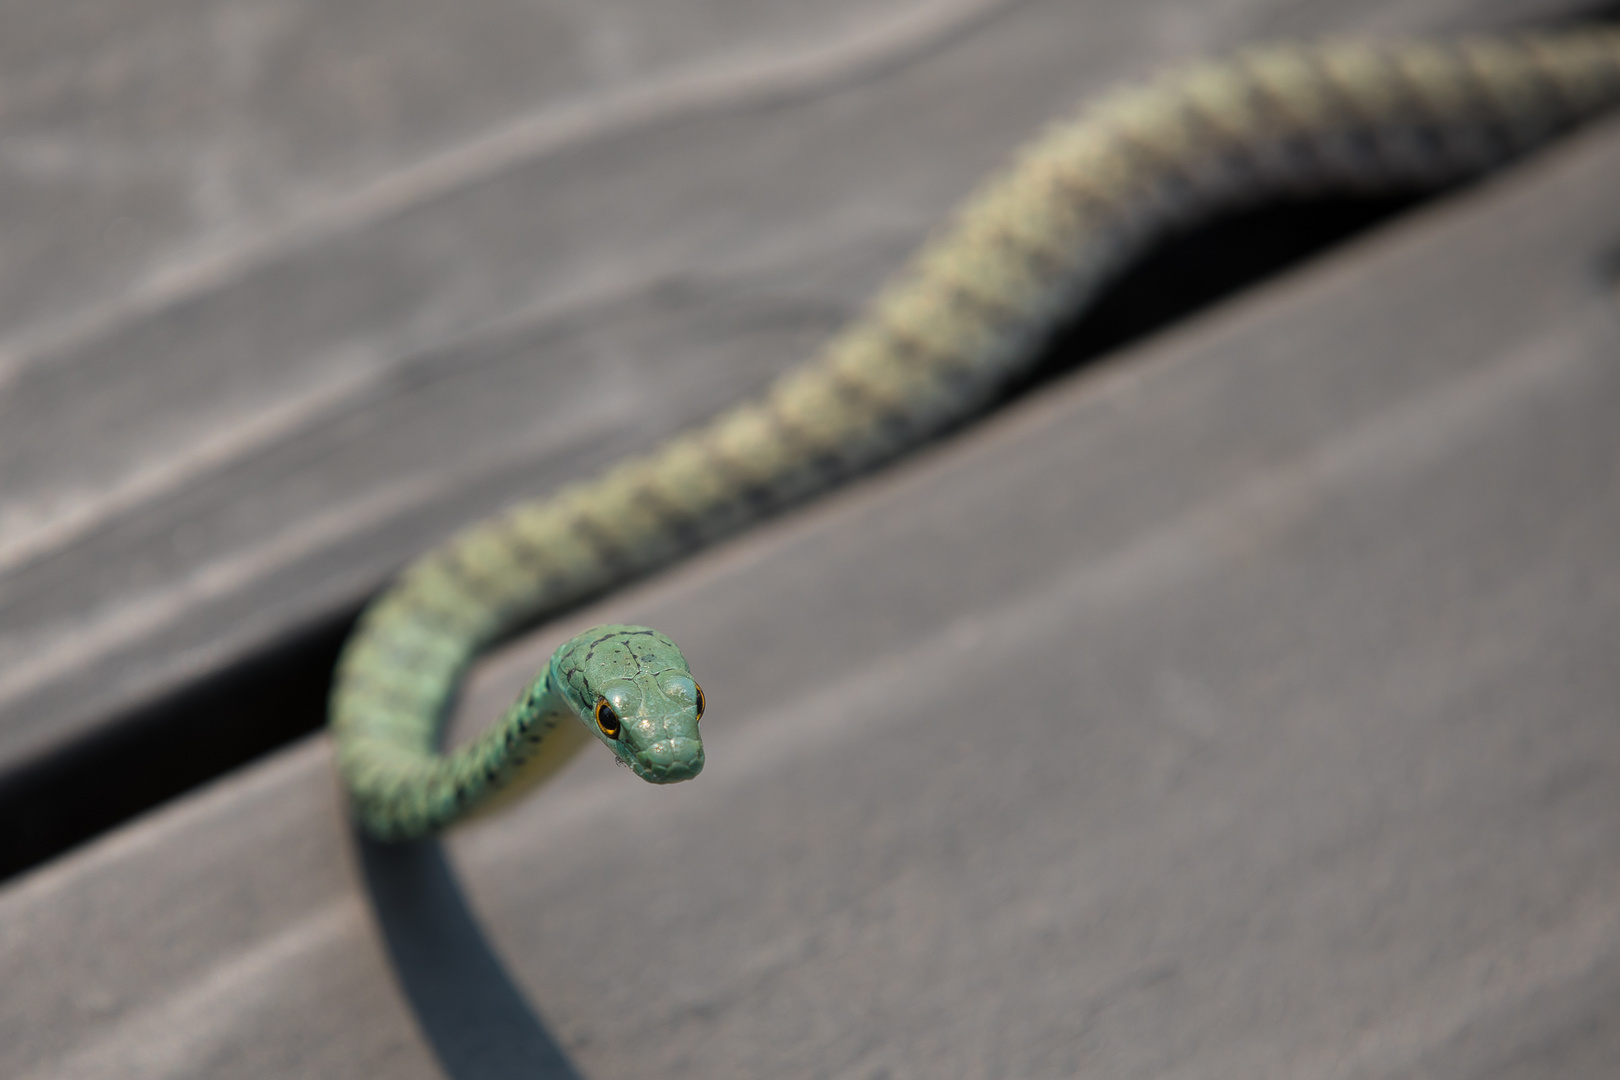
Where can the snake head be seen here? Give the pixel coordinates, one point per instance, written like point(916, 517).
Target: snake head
point(631, 687)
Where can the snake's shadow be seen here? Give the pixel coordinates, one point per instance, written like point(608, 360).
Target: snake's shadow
point(467, 1006)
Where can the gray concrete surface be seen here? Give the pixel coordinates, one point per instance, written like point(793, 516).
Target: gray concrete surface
point(1243, 708)
point(288, 291)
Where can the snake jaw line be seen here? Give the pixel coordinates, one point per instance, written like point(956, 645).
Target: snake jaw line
point(669, 761)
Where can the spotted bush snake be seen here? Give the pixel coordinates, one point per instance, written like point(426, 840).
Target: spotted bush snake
point(967, 316)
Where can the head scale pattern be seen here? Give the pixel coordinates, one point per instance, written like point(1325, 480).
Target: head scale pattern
point(632, 688)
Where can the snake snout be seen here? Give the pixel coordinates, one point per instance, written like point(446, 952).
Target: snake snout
point(670, 760)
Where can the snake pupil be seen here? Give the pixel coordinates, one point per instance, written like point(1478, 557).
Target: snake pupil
point(701, 703)
point(607, 719)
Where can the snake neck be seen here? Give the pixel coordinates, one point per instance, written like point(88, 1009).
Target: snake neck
point(626, 686)
point(403, 788)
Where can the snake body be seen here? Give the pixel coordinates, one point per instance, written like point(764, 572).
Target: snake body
point(966, 317)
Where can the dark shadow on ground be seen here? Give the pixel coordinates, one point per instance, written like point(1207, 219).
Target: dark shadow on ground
point(473, 1015)
point(160, 749)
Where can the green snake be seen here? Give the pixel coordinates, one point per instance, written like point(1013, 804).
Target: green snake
point(967, 316)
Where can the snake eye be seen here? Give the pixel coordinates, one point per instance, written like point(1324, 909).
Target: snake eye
point(607, 719)
point(701, 702)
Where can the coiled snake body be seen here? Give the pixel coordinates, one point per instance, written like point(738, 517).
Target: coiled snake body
point(967, 316)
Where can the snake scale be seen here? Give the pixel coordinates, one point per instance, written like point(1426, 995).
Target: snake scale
point(968, 315)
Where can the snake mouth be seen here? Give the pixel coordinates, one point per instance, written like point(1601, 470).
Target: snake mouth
point(669, 761)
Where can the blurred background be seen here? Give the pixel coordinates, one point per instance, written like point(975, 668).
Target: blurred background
point(1237, 699)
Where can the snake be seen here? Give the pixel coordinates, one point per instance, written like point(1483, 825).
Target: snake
point(964, 319)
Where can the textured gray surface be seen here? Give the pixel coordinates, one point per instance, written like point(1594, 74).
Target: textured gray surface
point(289, 291)
point(1244, 708)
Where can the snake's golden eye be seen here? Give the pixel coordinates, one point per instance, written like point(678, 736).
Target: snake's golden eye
point(607, 719)
point(701, 702)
